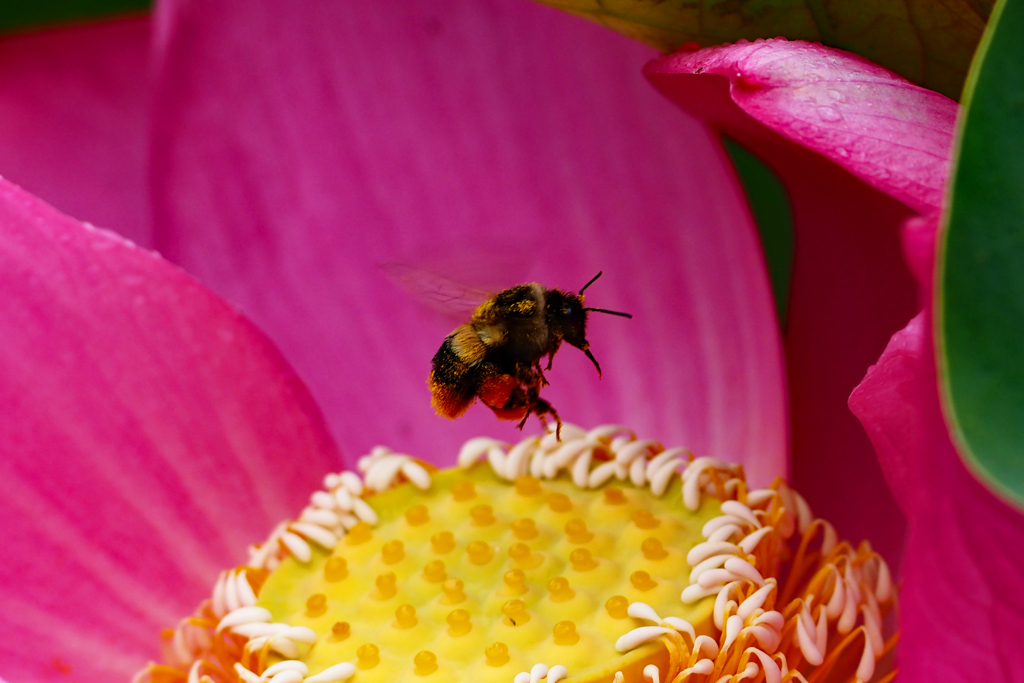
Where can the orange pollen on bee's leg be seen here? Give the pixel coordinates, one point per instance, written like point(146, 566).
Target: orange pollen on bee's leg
point(495, 391)
point(511, 414)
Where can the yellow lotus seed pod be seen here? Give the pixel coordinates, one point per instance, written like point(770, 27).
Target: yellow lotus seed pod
point(617, 607)
point(482, 515)
point(559, 502)
point(563, 589)
point(316, 605)
point(459, 623)
point(642, 581)
point(335, 569)
point(393, 552)
point(442, 542)
point(426, 663)
point(434, 571)
point(559, 589)
point(524, 557)
point(454, 591)
point(417, 515)
point(386, 588)
point(359, 534)
point(565, 633)
point(576, 530)
point(614, 496)
point(527, 486)
point(515, 612)
point(645, 519)
point(463, 491)
point(368, 656)
point(405, 616)
point(480, 553)
point(524, 529)
point(653, 549)
point(515, 582)
point(582, 560)
point(497, 654)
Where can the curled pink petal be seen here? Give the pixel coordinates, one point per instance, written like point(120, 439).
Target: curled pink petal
point(851, 289)
point(149, 434)
point(894, 135)
point(293, 153)
point(74, 121)
point(962, 602)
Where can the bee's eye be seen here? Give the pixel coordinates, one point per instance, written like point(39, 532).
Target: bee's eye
point(567, 311)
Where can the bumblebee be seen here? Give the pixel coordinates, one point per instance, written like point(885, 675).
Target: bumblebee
point(497, 355)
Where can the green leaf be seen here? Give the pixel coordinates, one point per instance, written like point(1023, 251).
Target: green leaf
point(770, 205)
point(21, 15)
point(980, 297)
point(930, 42)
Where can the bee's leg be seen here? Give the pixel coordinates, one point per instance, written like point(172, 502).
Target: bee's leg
point(540, 374)
point(552, 352)
point(558, 423)
point(529, 400)
point(527, 397)
point(542, 408)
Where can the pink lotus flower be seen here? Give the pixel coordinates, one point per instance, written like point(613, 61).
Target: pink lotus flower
point(151, 432)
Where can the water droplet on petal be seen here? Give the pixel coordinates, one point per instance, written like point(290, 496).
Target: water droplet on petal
point(829, 114)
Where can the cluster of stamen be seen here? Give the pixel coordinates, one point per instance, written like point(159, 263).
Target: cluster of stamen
point(822, 624)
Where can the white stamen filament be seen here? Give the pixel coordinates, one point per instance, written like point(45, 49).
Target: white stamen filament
point(703, 551)
point(275, 669)
point(332, 674)
point(772, 672)
point(639, 636)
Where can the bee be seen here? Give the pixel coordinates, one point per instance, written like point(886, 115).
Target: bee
point(497, 355)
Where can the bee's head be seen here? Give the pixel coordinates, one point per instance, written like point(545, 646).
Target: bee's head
point(567, 318)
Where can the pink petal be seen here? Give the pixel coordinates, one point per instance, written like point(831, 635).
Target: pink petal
point(850, 288)
point(962, 604)
point(149, 434)
point(74, 121)
point(298, 146)
point(894, 135)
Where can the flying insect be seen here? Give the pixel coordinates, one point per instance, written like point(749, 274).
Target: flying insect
point(497, 355)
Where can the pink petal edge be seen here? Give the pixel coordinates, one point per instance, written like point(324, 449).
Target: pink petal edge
point(851, 289)
point(293, 154)
point(150, 433)
point(962, 604)
point(894, 135)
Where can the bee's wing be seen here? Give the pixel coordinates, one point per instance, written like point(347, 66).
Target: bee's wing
point(437, 292)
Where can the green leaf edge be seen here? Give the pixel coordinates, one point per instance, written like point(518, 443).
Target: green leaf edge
point(19, 16)
point(977, 466)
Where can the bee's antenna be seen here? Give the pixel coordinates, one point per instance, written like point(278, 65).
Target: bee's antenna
point(603, 310)
point(591, 281)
